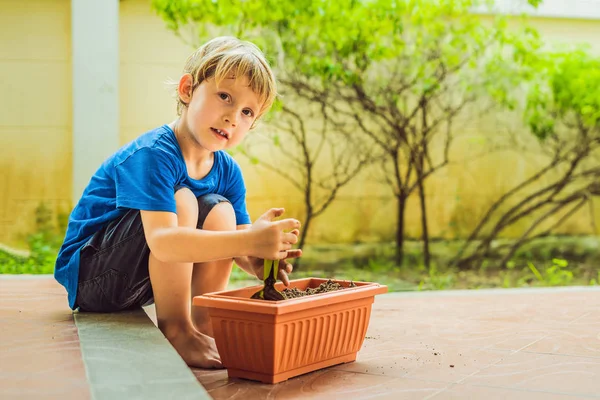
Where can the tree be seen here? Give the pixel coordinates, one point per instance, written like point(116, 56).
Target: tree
point(317, 160)
point(563, 114)
point(402, 71)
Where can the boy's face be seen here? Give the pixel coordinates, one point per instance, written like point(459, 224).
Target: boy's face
point(218, 117)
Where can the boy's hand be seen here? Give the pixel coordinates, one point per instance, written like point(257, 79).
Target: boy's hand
point(270, 241)
point(285, 268)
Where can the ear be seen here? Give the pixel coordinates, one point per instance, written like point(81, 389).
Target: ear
point(184, 89)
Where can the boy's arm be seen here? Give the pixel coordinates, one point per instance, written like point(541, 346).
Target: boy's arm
point(171, 243)
point(243, 261)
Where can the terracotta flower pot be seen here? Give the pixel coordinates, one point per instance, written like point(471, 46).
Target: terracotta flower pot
point(272, 341)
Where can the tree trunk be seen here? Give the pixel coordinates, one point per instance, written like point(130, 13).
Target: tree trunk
point(304, 230)
point(425, 235)
point(525, 207)
point(401, 208)
point(420, 165)
point(303, 233)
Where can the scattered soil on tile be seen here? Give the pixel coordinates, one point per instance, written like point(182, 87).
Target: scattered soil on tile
point(325, 287)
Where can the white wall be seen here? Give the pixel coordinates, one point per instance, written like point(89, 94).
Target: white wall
point(95, 47)
point(578, 9)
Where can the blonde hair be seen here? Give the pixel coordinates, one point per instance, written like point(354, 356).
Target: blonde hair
point(227, 56)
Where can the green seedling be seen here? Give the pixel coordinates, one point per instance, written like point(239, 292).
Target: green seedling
point(268, 292)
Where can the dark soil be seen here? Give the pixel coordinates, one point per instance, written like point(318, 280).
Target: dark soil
point(325, 287)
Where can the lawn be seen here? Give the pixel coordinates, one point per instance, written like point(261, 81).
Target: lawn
point(551, 261)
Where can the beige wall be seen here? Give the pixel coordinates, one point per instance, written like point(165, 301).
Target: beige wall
point(35, 129)
point(35, 112)
point(149, 56)
point(570, 31)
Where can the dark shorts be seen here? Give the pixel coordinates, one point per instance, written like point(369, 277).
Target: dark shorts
point(113, 264)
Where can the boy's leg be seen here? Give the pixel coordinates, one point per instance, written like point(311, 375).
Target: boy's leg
point(172, 293)
point(212, 276)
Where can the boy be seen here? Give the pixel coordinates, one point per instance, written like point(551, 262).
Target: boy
point(163, 218)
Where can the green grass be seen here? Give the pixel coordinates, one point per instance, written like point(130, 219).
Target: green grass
point(552, 261)
point(42, 255)
point(415, 280)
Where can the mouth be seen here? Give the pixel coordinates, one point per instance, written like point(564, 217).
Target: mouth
point(221, 133)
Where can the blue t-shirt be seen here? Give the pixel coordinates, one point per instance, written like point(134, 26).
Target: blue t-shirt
point(142, 175)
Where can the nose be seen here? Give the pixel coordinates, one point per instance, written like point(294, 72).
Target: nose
point(231, 118)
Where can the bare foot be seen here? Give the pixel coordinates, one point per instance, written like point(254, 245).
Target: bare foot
point(196, 349)
point(202, 320)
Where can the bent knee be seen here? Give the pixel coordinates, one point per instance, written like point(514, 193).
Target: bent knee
point(187, 207)
point(220, 218)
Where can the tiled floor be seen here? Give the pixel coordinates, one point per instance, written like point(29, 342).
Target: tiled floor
point(511, 344)
point(40, 356)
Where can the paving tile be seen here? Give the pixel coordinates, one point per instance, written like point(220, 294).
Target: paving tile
point(518, 338)
point(131, 325)
point(324, 384)
point(473, 331)
point(49, 361)
point(461, 392)
point(579, 338)
point(212, 378)
point(44, 388)
point(516, 344)
point(509, 322)
point(385, 358)
point(126, 355)
point(454, 364)
point(40, 355)
point(120, 364)
point(445, 363)
point(180, 390)
point(542, 372)
point(341, 384)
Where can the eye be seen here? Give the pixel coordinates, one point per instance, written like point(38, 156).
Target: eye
point(248, 112)
point(224, 96)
